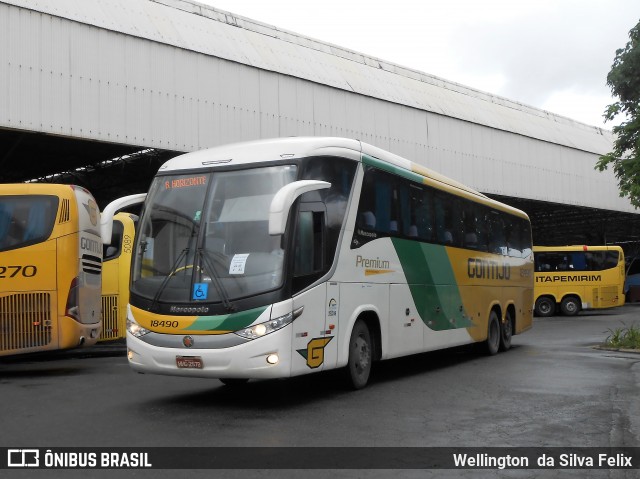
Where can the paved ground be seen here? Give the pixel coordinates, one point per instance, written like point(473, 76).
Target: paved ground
point(552, 389)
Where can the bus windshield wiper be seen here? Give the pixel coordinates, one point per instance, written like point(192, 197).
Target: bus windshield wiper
point(215, 279)
point(166, 279)
point(183, 254)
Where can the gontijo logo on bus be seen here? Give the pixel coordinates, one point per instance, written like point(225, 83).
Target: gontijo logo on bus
point(373, 266)
point(314, 354)
point(488, 269)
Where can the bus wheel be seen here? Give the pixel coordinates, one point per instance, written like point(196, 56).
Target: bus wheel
point(506, 332)
point(493, 334)
point(360, 356)
point(234, 382)
point(570, 306)
point(545, 306)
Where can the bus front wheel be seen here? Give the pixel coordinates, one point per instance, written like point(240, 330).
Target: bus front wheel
point(570, 306)
point(545, 306)
point(360, 356)
point(493, 334)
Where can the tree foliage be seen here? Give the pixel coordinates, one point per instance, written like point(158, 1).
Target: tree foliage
point(624, 81)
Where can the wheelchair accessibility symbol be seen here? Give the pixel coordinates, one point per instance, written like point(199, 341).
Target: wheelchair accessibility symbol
point(200, 291)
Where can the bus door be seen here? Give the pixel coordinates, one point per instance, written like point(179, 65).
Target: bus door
point(314, 345)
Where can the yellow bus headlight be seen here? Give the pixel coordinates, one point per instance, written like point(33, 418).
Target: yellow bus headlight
point(135, 329)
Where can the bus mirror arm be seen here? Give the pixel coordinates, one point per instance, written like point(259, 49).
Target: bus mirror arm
point(284, 198)
point(106, 217)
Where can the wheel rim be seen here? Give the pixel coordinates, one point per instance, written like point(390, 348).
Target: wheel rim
point(544, 307)
point(571, 306)
point(362, 356)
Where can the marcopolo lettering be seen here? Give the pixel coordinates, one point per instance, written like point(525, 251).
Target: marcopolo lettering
point(487, 269)
point(565, 278)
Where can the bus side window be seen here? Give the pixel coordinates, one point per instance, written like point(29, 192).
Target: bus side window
point(496, 232)
point(308, 249)
point(422, 217)
point(471, 234)
point(578, 262)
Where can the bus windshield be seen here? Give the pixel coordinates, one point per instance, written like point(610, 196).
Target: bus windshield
point(204, 237)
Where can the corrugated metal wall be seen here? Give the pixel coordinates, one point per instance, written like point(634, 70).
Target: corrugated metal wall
point(144, 73)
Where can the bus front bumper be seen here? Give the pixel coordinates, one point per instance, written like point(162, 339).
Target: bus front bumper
point(250, 360)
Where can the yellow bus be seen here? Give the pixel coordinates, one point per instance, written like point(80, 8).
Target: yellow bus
point(573, 278)
point(116, 267)
point(283, 257)
point(50, 267)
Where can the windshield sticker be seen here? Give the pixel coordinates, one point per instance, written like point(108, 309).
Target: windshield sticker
point(185, 182)
point(238, 263)
point(196, 216)
point(200, 291)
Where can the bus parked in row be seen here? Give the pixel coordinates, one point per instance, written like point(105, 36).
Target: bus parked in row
point(277, 258)
point(50, 266)
point(569, 279)
point(116, 267)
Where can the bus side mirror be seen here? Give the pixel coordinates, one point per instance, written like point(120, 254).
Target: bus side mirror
point(106, 217)
point(284, 198)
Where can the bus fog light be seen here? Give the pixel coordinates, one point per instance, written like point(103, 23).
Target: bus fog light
point(130, 354)
point(273, 359)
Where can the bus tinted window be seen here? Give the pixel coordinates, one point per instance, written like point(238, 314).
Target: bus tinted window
point(394, 206)
point(26, 220)
point(340, 173)
point(576, 261)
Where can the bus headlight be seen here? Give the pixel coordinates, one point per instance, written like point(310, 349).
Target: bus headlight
point(258, 330)
point(135, 329)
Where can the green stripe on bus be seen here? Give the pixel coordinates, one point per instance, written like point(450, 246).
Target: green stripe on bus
point(227, 322)
point(432, 284)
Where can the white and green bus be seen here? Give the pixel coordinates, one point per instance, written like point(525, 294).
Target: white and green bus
point(277, 258)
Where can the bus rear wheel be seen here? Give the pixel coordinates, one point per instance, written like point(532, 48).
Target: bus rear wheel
point(492, 343)
point(506, 332)
point(360, 356)
point(570, 306)
point(545, 306)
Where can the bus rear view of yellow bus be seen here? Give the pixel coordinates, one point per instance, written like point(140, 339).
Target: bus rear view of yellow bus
point(572, 278)
point(116, 268)
point(50, 268)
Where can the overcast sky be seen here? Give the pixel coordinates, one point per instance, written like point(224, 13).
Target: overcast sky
point(551, 54)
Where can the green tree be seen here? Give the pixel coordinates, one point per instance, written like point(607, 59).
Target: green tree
point(624, 80)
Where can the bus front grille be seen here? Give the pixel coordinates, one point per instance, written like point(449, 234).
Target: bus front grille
point(111, 329)
point(25, 321)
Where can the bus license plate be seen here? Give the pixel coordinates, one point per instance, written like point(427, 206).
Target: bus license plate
point(189, 362)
